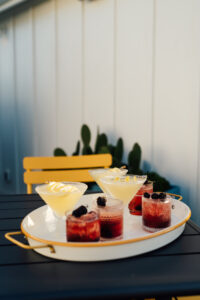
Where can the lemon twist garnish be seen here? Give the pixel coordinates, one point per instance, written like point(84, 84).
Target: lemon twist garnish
point(115, 170)
point(116, 179)
point(127, 178)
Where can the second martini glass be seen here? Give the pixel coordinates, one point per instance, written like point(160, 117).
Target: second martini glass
point(123, 188)
point(102, 172)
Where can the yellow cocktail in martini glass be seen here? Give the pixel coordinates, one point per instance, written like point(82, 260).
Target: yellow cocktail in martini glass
point(123, 188)
point(102, 172)
point(61, 196)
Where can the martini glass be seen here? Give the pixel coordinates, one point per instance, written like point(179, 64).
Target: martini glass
point(102, 172)
point(61, 197)
point(123, 188)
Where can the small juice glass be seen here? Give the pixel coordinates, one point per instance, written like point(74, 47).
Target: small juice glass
point(83, 229)
point(156, 211)
point(111, 218)
point(135, 206)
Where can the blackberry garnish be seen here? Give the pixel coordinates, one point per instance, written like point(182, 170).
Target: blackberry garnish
point(101, 201)
point(155, 196)
point(162, 196)
point(82, 210)
point(146, 195)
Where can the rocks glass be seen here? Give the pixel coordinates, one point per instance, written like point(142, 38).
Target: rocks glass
point(156, 211)
point(84, 228)
point(110, 212)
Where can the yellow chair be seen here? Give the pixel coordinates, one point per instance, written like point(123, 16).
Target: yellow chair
point(62, 168)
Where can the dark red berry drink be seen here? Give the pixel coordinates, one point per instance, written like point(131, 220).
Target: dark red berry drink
point(84, 228)
point(135, 206)
point(156, 211)
point(111, 218)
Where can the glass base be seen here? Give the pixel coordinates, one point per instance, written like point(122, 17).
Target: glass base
point(151, 229)
point(102, 239)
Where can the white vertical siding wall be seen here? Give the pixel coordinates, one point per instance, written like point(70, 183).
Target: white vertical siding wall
point(69, 40)
point(44, 40)
point(24, 91)
point(8, 106)
point(176, 101)
point(130, 67)
point(98, 64)
point(134, 46)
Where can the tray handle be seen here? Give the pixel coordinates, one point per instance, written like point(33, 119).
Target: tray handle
point(177, 196)
point(9, 237)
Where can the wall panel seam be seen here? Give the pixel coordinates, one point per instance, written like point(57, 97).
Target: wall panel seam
point(153, 81)
point(16, 132)
point(115, 63)
point(83, 61)
point(56, 99)
point(33, 80)
point(198, 145)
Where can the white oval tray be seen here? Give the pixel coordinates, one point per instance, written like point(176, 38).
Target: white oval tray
point(41, 229)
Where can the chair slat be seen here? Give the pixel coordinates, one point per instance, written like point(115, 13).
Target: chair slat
point(68, 175)
point(68, 162)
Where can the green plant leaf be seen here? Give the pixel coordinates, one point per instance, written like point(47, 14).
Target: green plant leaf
point(104, 149)
point(77, 151)
point(87, 150)
point(134, 157)
point(160, 184)
point(135, 171)
point(103, 139)
point(85, 135)
point(96, 148)
point(118, 152)
point(111, 149)
point(59, 152)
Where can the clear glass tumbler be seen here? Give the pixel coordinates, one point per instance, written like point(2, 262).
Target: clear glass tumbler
point(86, 228)
point(111, 217)
point(156, 211)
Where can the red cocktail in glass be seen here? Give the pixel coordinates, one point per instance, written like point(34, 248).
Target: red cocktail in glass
point(85, 228)
point(111, 218)
point(135, 206)
point(156, 211)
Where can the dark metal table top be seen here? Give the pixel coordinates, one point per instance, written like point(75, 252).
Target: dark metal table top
point(173, 270)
